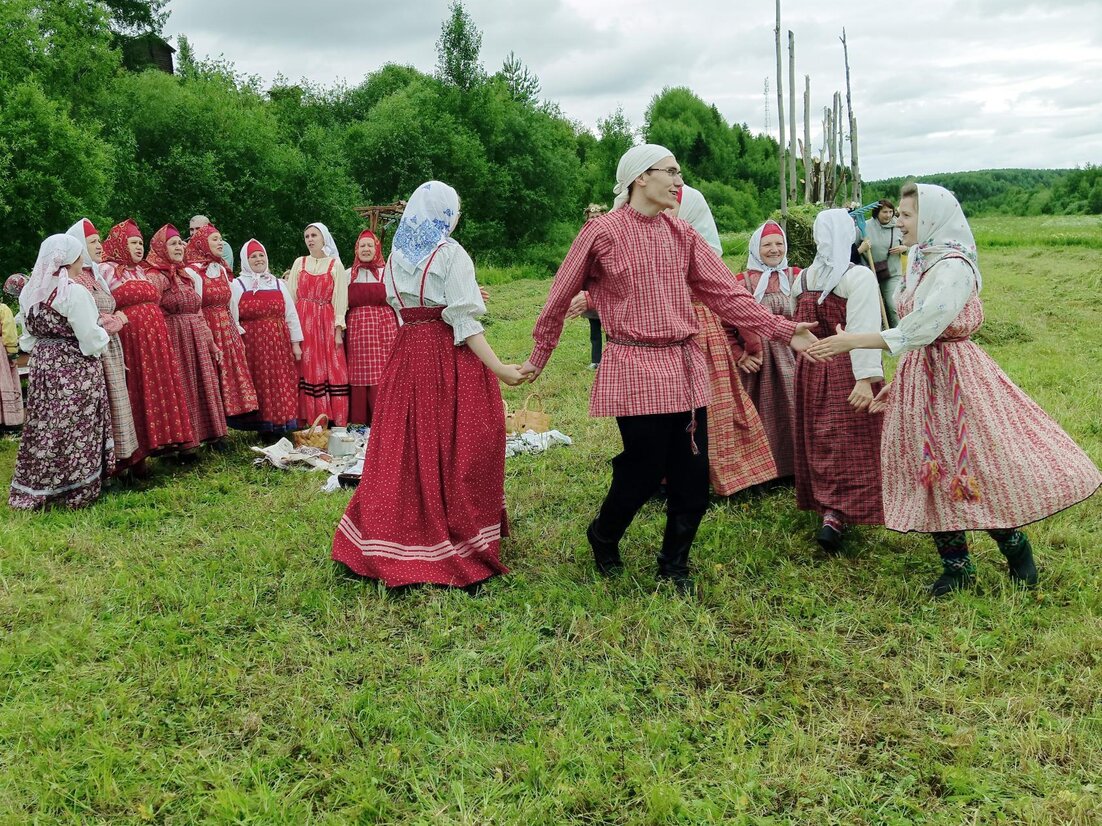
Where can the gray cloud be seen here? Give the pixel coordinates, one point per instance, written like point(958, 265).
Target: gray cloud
point(963, 84)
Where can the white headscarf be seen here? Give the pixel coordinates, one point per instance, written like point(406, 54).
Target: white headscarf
point(754, 262)
point(260, 279)
point(634, 163)
point(695, 210)
point(942, 231)
point(77, 231)
point(834, 232)
point(56, 252)
point(329, 246)
point(427, 223)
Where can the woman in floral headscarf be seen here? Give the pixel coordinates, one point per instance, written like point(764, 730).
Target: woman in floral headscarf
point(431, 507)
point(192, 338)
point(372, 326)
point(112, 320)
point(319, 286)
point(207, 270)
point(768, 369)
point(154, 385)
point(65, 452)
point(964, 447)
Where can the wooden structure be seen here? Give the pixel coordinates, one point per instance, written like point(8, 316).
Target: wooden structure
point(146, 51)
point(388, 212)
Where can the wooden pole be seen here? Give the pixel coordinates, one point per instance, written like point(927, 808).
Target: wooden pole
point(852, 126)
point(823, 158)
point(793, 180)
point(780, 120)
point(839, 136)
point(807, 140)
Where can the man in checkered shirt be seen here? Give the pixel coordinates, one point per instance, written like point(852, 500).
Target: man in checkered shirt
point(641, 268)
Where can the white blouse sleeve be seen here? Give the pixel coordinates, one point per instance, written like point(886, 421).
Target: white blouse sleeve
point(236, 289)
point(862, 316)
point(290, 314)
point(79, 308)
point(463, 304)
point(938, 300)
point(196, 280)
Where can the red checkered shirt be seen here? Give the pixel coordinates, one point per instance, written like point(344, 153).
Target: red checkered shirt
point(642, 273)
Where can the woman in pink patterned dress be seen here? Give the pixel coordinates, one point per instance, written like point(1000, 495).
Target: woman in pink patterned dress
point(207, 270)
point(319, 286)
point(963, 447)
point(372, 326)
point(191, 337)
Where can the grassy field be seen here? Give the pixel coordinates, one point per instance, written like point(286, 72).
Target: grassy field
point(187, 653)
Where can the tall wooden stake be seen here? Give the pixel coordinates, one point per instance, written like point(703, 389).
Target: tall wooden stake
point(852, 127)
point(808, 178)
point(839, 136)
point(780, 119)
point(793, 180)
point(823, 157)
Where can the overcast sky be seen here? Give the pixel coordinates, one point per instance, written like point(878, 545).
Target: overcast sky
point(938, 85)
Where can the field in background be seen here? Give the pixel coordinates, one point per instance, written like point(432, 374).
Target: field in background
point(187, 653)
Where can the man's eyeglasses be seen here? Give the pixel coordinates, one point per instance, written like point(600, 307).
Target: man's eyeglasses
point(672, 171)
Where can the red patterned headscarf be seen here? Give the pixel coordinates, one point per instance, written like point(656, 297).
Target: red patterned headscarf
point(198, 247)
point(377, 263)
point(157, 257)
point(115, 249)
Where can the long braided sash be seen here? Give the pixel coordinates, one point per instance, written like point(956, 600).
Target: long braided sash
point(962, 486)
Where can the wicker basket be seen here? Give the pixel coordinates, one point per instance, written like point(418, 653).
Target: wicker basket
point(316, 435)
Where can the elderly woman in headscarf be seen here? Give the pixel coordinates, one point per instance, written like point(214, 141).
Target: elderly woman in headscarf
point(642, 268)
point(739, 455)
point(319, 286)
point(963, 447)
point(273, 337)
point(112, 320)
point(837, 456)
point(191, 337)
point(207, 270)
point(66, 448)
point(154, 385)
point(372, 326)
point(11, 392)
point(431, 507)
point(768, 369)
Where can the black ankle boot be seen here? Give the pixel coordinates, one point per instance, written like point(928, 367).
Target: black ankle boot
point(606, 554)
point(1019, 560)
point(673, 561)
point(829, 539)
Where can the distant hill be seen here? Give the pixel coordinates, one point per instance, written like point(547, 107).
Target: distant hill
point(1010, 191)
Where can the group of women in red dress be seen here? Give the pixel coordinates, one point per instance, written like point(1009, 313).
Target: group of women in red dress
point(188, 352)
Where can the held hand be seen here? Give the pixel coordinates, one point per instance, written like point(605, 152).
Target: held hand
point(485, 295)
point(339, 337)
point(750, 363)
point(296, 351)
point(578, 305)
point(216, 353)
point(803, 339)
point(510, 374)
point(863, 247)
point(530, 371)
point(861, 396)
point(898, 249)
point(882, 400)
point(827, 348)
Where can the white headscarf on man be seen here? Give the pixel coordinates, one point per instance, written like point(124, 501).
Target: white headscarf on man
point(329, 246)
point(427, 223)
point(695, 210)
point(55, 253)
point(755, 264)
point(77, 230)
point(834, 232)
point(634, 163)
point(942, 231)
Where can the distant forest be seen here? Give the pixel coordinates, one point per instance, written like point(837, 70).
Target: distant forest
point(1010, 191)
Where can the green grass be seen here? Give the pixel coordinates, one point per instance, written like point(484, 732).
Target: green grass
point(187, 653)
